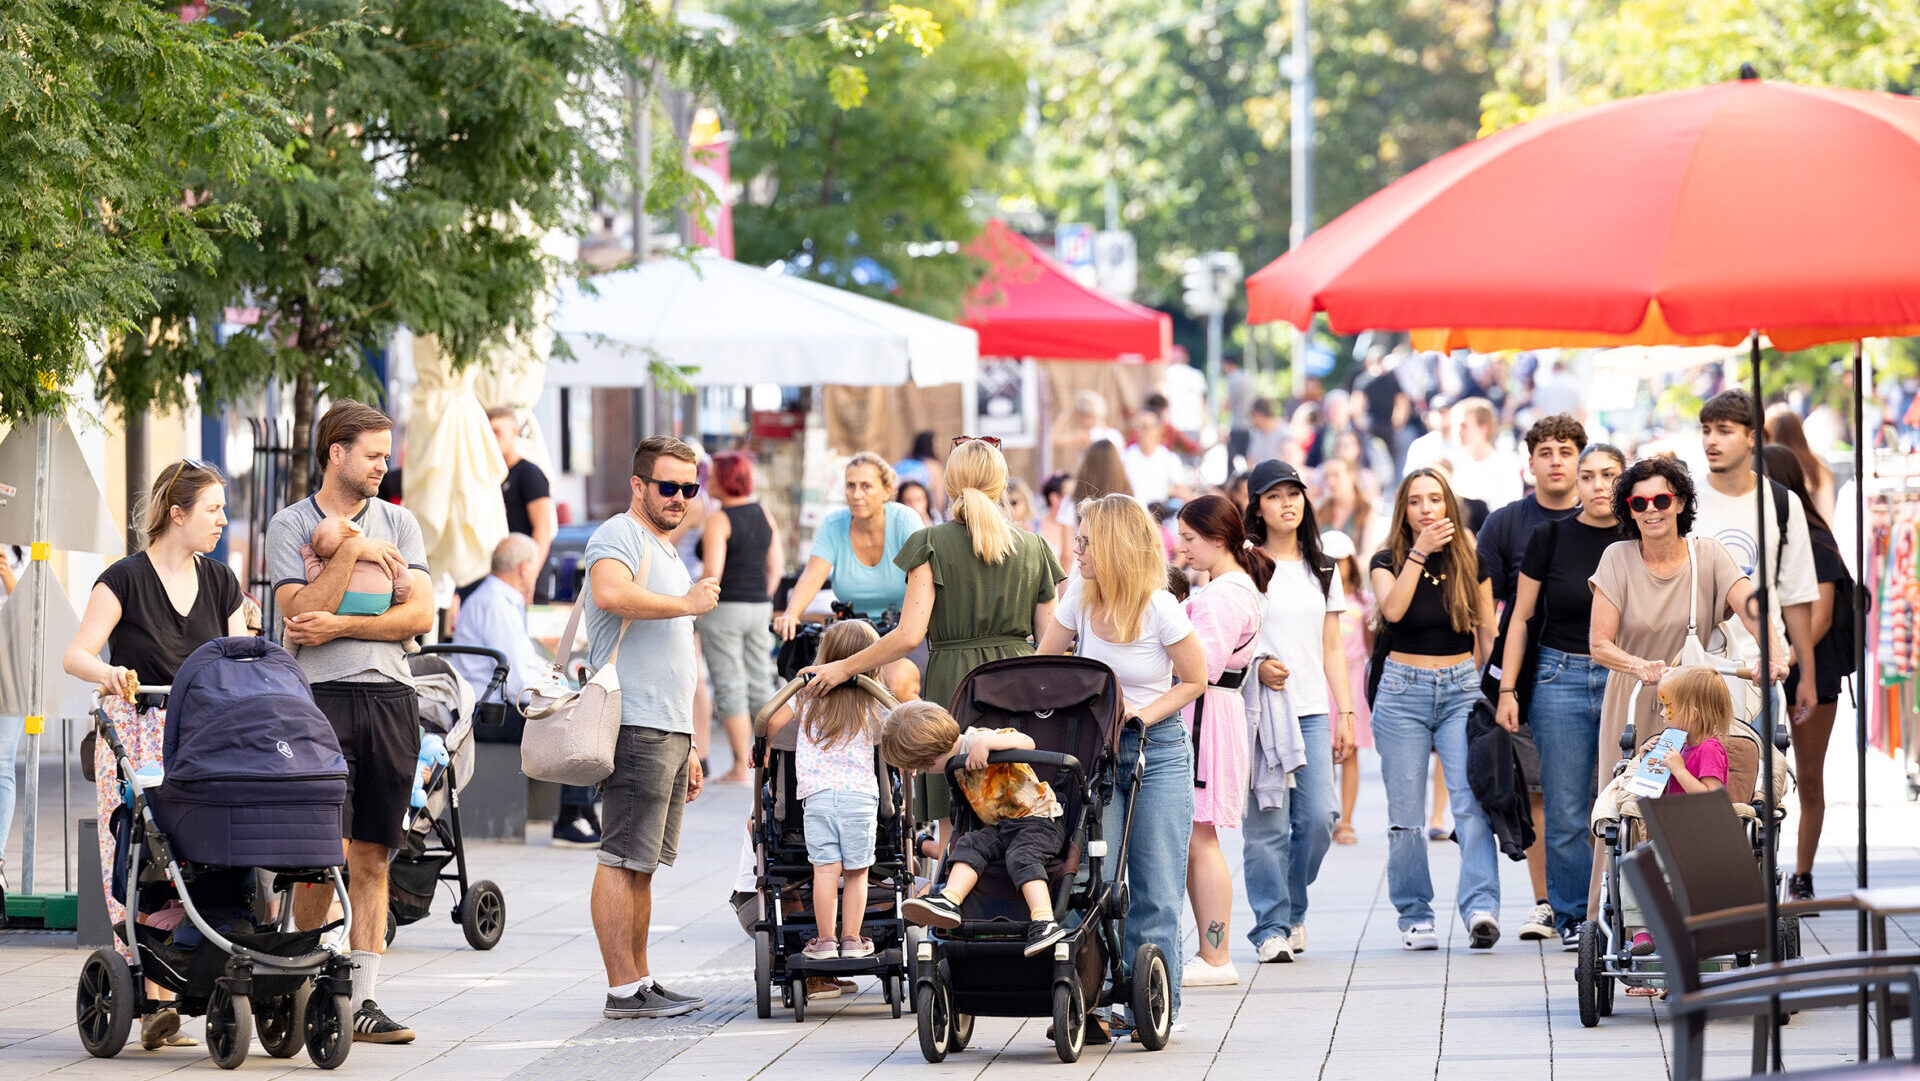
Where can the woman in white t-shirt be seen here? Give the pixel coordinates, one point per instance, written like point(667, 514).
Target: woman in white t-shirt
point(1299, 660)
point(1123, 617)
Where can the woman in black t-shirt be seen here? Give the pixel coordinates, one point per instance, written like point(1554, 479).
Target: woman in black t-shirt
point(1552, 607)
point(1436, 607)
point(151, 610)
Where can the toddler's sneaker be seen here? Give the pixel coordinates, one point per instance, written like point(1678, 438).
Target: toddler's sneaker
point(822, 949)
point(856, 946)
point(1041, 935)
point(1419, 937)
point(1642, 945)
point(933, 910)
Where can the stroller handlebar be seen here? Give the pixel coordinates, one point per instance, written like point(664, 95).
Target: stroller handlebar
point(1055, 759)
point(865, 682)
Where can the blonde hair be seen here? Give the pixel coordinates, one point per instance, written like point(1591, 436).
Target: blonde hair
point(917, 734)
point(976, 484)
point(1698, 701)
point(1129, 559)
point(178, 485)
point(889, 480)
point(844, 712)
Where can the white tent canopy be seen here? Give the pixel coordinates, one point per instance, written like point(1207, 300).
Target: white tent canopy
point(738, 325)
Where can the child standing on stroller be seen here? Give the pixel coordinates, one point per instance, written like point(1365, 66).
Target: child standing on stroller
point(1696, 701)
point(833, 768)
point(1021, 821)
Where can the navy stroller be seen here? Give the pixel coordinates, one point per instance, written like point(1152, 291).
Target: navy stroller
point(254, 781)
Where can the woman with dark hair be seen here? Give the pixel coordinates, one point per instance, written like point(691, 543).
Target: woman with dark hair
point(741, 547)
point(913, 495)
point(1784, 428)
point(1832, 658)
point(924, 467)
point(1647, 590)
point(1436, 606)
point(1056, 494)
point(1226, 614)
point(1299, 661)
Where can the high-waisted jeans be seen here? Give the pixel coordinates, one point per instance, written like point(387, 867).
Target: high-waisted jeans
point(1564, 715)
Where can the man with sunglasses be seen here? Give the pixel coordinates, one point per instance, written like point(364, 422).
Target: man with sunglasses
point(640, 604)
point(1726, 510)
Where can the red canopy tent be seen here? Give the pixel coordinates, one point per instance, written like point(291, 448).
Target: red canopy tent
point(1027, 306)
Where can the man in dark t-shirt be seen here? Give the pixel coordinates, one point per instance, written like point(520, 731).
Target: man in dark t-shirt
point(528, 496)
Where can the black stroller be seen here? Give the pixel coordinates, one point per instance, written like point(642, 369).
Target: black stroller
point(1071, 706)
point(785, 876)
point(449, 710)
point(799, 651)
point(254, 780)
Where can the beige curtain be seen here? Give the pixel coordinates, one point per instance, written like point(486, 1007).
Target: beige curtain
point(454, 469)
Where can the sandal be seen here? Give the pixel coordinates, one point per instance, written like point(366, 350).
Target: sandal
point(1343, 834)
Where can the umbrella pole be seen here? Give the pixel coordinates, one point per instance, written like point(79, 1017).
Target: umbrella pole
point(1862, 379)
point(1762, 601)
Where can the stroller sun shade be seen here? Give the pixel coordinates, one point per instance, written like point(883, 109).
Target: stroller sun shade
point(255, 777)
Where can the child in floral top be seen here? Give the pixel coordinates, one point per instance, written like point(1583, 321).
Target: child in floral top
point(837, 787)
point(1021, 821)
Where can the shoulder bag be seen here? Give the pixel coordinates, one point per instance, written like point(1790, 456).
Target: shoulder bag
point(571, 734)
point(1718, 652)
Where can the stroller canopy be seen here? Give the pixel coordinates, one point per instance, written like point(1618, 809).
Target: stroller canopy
point(241, 707)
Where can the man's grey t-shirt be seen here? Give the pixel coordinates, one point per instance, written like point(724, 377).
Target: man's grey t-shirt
point(345, 658)
point(657, 669)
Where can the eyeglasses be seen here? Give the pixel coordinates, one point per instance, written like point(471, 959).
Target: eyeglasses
point(1638, 504)
point(990, 440)
point(666, 488)
point(1079, 543)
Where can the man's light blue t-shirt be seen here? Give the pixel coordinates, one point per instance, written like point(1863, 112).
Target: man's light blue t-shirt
point(869, 590)
point(657, 668)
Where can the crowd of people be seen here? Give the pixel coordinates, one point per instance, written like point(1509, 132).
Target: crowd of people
point(1261, 632)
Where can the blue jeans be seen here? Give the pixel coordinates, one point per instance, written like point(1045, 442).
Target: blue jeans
point(1565, 717)
point(11, 729)
point(1283, 847)
point(1157, 847)
point(1420, 711)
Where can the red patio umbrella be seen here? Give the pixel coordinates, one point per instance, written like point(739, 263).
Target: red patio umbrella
point(1689, 217)
point(1027, 306)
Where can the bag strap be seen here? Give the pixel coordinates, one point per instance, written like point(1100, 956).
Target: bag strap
point(567, 638)
point(1693, 592)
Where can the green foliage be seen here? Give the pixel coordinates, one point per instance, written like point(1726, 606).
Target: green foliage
point(1188, 112)
point(115, 119)
point(898, 170)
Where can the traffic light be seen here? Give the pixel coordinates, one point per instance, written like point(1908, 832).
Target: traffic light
point(1201, 294)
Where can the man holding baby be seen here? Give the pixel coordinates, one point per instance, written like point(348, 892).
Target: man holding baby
point(350, 579)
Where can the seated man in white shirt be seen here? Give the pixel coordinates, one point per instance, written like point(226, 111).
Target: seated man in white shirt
point(494, 615)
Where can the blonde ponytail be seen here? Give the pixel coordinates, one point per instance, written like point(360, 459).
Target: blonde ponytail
point(976, 477)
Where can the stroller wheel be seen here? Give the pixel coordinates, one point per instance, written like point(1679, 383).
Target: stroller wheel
point(1069, 1022)
point(762, 975)
point(891, 988)
point(798, 994)
point(329, 1030)
point(393, 921)
point(229, 1028)
point(1152, 997)
point(105, 1003)
point(279, 1023)
point(936, 1031)
point(1587, 977)
point(483, 915)
point(962, 1025)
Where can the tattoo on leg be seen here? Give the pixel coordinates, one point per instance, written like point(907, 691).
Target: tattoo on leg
point(1216, 933)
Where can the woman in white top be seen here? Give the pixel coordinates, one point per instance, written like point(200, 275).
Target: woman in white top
point(1300, 659)
point(1123, 617)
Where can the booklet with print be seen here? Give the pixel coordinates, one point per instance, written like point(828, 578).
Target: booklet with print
point(1652, 776)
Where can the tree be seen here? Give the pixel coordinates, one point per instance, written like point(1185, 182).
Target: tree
point(109, 112)
point(875, 198)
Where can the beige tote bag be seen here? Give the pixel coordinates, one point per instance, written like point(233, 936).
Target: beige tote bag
point(571, 735)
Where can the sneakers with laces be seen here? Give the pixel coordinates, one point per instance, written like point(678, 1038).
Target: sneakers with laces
point(1276, 950)
point(1539, 925)
point(1198, 973)
point(646, 1002)
point(1800, 888)
point(1419, 937)
point(822, 949)
point(576, 833)
point(933, 910)
point(372, 1025)
point(1041, 936)
point(1298, 939)
point(1482, 931)
point(855, 946)
point(1569, 939)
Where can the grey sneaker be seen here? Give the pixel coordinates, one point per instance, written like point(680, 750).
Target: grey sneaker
point(699, 1002)
point(647, 1002)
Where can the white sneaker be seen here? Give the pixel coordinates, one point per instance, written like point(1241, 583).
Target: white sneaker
point(1198, 973)
point(1275, 950)
point(1482, 931)
point(1419, 937)
point(1298, 939)
point(1539, 925)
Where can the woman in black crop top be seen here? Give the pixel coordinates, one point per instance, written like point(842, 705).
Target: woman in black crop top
point(741, 547)
point(1436, 609)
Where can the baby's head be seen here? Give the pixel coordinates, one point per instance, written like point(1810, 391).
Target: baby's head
point(917, 734)
point(1697, 700)
point(330, 534)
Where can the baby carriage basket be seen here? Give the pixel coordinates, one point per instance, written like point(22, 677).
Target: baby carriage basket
point(784, 876)
point(1071, 707)
point(1605, 956)
point(449, 710)
point(253, 779)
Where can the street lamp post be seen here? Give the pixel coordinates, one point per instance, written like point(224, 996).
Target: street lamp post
point(1299, 68)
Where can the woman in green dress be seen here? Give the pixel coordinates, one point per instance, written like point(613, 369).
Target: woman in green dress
point(978, 590)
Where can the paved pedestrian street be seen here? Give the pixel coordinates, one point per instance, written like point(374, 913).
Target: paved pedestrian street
point(1354, 1007)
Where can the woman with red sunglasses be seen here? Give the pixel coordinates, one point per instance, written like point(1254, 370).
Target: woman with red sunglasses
point(1641, 602)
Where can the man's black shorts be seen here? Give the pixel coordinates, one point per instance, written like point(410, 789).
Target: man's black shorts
point(378, 724)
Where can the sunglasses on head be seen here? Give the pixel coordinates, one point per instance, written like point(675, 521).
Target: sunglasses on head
point(1638, 504)
point(990, 440)
point(667, 488)
point(182, 466)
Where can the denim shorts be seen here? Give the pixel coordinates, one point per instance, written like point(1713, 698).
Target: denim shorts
point(840, 827)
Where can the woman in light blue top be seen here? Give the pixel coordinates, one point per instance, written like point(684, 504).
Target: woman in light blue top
point(856, 546)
